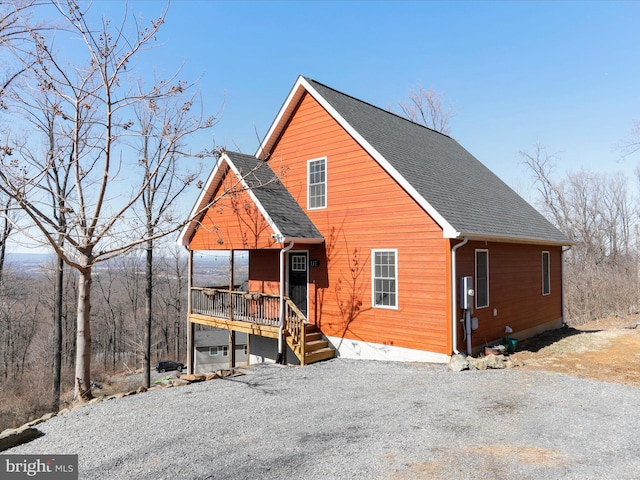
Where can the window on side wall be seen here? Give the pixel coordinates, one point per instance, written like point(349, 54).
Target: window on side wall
point(213, 351)
point(317, 183)
point(482, 278)
point(385, 278)
point(225, 351)
point(546, 275)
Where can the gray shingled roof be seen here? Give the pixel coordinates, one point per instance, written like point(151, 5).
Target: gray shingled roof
point(279, 204)
point(471, 198)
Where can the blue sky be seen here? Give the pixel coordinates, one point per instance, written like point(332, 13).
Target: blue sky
point(565, 74)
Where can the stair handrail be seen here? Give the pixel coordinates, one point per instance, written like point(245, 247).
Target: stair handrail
point(295, 322)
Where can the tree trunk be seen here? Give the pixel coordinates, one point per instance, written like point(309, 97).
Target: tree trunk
point(83, 337)
point(4, 235)
point(178, 312)
point(148, 314)
point(57, 335)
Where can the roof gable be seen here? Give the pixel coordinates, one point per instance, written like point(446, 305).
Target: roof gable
point(276, 203)
point(462, 195)
point(285, 217)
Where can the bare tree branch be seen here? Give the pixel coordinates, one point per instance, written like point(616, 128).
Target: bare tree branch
point(427, 108)
point(631, 143)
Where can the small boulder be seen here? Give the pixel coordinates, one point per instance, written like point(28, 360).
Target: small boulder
point(44, 418)
point(458, 363)
point(496, 361)
point(179, 382)
point(18, 436)
point(194, 377)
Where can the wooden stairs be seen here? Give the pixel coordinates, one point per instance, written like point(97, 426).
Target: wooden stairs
point(316, 348)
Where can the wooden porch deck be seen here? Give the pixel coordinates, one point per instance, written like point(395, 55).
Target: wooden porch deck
point(259, 314)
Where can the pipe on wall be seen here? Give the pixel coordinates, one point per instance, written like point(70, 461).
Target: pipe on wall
point(283, 263)
point(454, 295)
point(562, 283)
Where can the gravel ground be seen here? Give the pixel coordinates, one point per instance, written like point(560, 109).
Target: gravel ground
point(358, 419)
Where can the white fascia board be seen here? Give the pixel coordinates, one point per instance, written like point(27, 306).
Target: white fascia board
point(512, 239)
point(263, 212)
point(288, 104)
point(202, 200)
point(448, 230)
point(304, 240)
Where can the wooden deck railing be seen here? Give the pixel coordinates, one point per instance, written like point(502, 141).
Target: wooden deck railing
point(256, 308)
point(247, 307)
point(294, 324)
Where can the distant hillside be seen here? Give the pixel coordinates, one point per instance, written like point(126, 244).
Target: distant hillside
point(30, 263)
point(209, 269)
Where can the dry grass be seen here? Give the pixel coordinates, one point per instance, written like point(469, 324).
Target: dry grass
point(29, 396)
point(24, 398)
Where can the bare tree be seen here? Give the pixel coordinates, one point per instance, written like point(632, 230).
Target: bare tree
point(18, 322)
point(110, 313)
point(173, 279)
point(13, 34)
point(6, 227)
point(595, 211)
point(94, 109)
point(161, 182)
point(631, 143)
point(427, 108)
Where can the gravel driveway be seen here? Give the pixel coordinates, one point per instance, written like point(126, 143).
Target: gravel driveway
point(358, 419)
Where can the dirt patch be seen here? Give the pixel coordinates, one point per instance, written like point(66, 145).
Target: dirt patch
point(527, 455)
point(489, 460)
point(607, 349)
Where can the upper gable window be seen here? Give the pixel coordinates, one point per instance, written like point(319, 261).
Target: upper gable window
point(317, 183)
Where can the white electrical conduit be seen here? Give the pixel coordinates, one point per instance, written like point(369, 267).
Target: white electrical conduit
point(282, 302)
point(467, 320)
point(454, 296)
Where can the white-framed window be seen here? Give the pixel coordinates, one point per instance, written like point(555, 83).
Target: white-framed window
point(546, 273)
point(482, 278)
point(317, 183)
point(384, 273)
point(225, 351)
point(298, 263)
point(213, 351)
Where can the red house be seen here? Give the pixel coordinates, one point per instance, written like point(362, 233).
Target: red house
point(369, 236)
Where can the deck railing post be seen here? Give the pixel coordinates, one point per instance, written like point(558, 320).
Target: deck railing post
point(231, 286)
point(232, 347)
point(303, 343)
